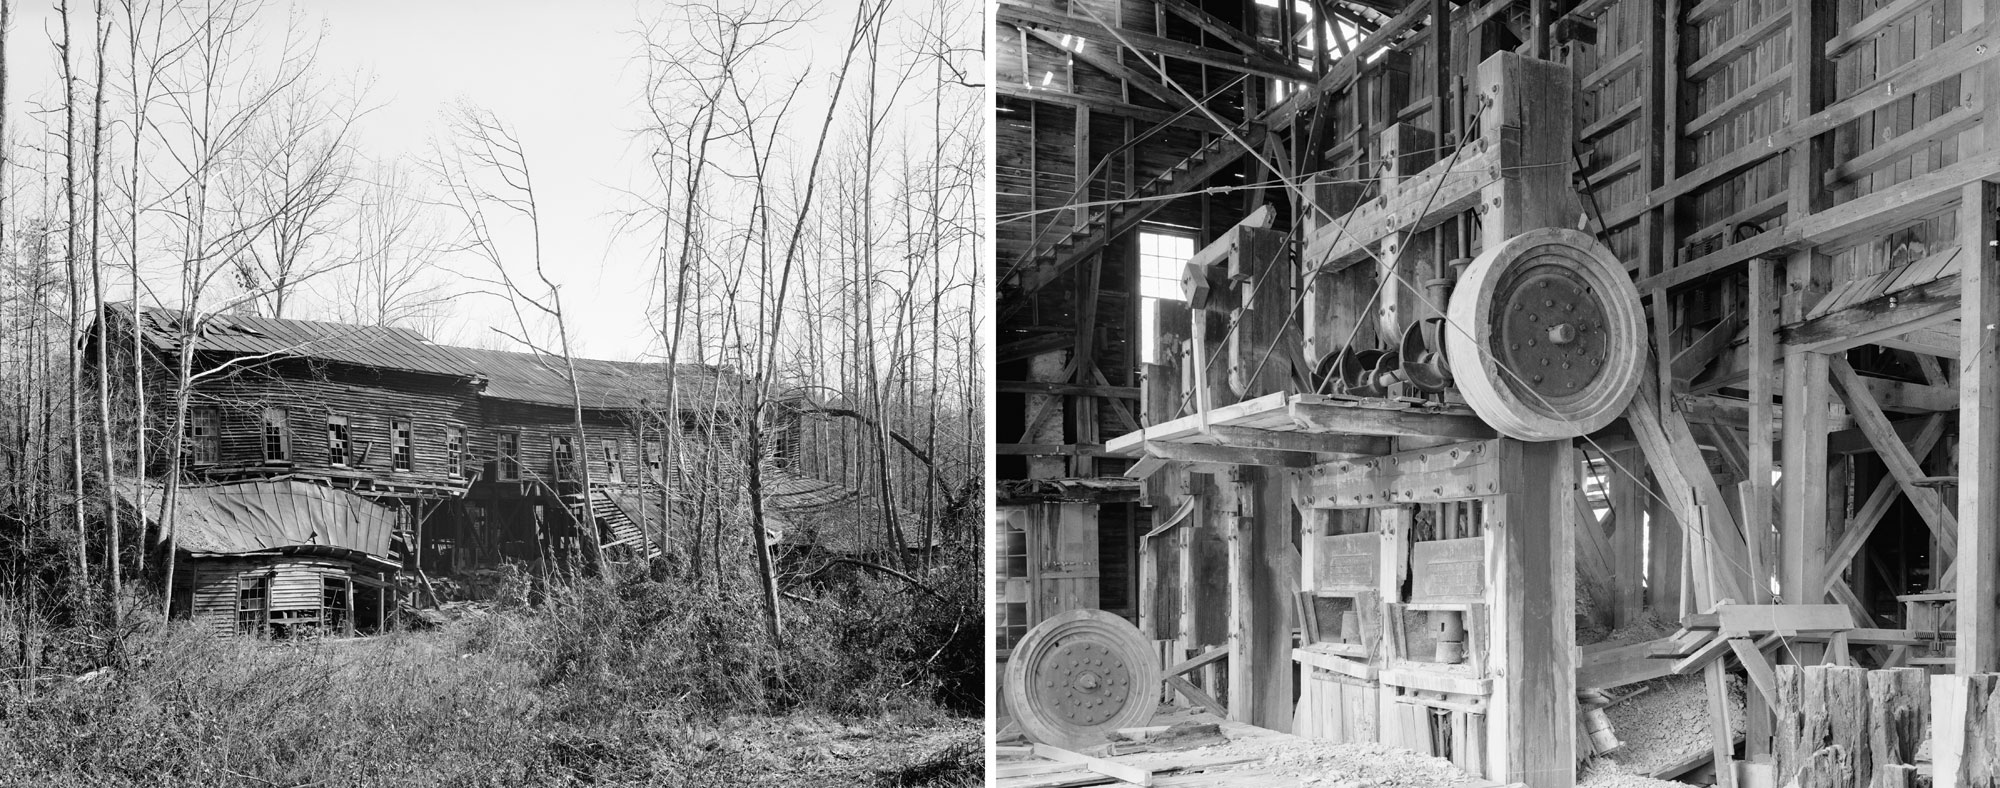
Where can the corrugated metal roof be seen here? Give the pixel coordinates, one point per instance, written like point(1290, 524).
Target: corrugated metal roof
point(249, 517)
point(510, 375)
point(827, 516)
point(385, 347)
point(605, 385)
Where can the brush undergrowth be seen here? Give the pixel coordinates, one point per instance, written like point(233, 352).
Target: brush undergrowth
point(633, 682)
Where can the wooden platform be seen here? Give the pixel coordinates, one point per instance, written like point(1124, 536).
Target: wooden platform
point(1206, 767)
point(1303, 424)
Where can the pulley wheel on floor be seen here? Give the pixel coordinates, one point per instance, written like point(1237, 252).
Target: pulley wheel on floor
point(1080, 675)
point(1546, 336)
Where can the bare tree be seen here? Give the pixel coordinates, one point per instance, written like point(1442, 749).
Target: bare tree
point(483, 167)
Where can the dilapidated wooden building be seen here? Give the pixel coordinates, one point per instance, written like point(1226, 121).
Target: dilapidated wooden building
point(1448, 374)
point(355, 461)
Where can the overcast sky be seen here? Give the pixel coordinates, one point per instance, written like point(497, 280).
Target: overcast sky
point(561, 72)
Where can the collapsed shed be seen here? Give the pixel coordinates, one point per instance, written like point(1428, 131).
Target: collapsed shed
point(284, 557)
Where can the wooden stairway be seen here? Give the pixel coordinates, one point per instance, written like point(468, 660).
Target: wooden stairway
point(617, 526)
point(1186, 176)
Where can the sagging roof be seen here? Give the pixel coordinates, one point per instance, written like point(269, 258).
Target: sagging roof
point(828, 516)
point(506, 375)
point(272, 516)
point(605, 385)
point(384, 347)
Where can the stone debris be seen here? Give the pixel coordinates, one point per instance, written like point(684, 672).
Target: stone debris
point(1606, 774)
point(1324, 764)
point(1668, 724)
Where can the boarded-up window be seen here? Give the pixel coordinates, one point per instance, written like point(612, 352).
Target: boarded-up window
point(510, 456)
point(400, 456)
point(277, 438)
point(564, 453)
point(614, 460)
point(454, 451)
point(204, 437)
point(339, 442)
point(253, 604)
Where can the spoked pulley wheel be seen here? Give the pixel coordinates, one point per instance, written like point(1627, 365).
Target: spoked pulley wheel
point(1080, 675)
point(1546, 337)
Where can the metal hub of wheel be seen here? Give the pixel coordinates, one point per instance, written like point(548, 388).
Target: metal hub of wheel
point(1548, 337)
point(1079, 675)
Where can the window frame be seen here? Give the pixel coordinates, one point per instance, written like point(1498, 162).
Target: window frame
point(339, 450)
point(614, 459)
point(200, 418)
point(454, 451)
point(402, 445)
point(1147, 332)
point(562, 456)
point(280, 429)
point(507, 455)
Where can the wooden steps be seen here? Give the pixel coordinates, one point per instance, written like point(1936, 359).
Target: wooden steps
point(617, 526)
point(1105, 224)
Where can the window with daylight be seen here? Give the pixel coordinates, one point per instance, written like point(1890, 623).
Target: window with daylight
point(204, 436)
point(1011, 560)
point(400, 456)
point(454, 451)
point(339, 442)
point(564, 454)
point(652, 455)
point(277, 440)
point(509, 456)
point(614, 460)
point(1162, 256)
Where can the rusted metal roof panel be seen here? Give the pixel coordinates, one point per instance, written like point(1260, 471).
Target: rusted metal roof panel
point(605, 385)
point(249, 517)
point(386, 347)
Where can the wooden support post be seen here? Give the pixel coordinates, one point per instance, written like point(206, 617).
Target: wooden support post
point(1802, 529)
point(1978, 564)
point(1262, 570)
point(1628, 537)
point(1757, 506)
point(1965, 731)
point(1533, 708)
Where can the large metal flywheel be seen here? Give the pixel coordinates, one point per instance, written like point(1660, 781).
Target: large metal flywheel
point(1079, 675)
point(1546, 336)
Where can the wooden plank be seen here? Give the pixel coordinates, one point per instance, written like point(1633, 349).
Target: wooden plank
point(1353, 446)
point(1193, 693)
point(1978, 564)
point(1869, 417)
point(1420, 202)
point(1690, 490)
point(1227, 455)
point(1744, 620)
point(1024, 16)
point(1206, 657)
point(1120, 771)
point(1323, 414)
point(1868, 322)
point(1451, 472)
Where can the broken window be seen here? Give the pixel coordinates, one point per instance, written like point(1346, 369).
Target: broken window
point(400, 456)
point(510, 456)
point(253, 604)
point(339, 443)
point(454, 451)
point(333, 604)
point(564, 453)
point(204, 436)
point(277, 440)
point(614, 460)
point(1162, 256)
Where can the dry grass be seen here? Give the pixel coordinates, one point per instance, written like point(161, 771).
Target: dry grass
point(628, 686)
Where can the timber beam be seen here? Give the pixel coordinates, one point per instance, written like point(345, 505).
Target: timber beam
point(1029, 17)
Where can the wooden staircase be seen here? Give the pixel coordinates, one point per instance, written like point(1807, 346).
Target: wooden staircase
point(616, 525)
point(1186, 176)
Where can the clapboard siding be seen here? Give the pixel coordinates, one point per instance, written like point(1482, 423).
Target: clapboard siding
point(210, 585)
